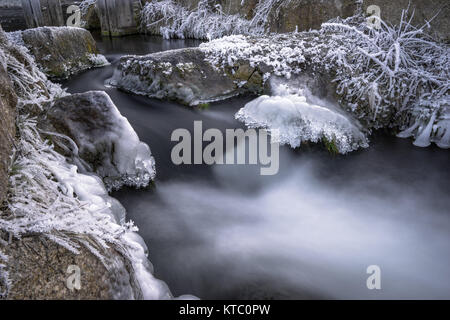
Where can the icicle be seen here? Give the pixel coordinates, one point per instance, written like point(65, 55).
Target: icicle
point(424, 133)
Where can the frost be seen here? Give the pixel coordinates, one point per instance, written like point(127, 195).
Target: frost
point(98, 60)
point(292, 118)
point(171, 20)
point(208, 21)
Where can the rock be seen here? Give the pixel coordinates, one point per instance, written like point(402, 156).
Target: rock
point(39, 270)
point(89, 15)
point(62, 51)
point(8, 102)
point(182, 75)
point(425, 10)
point(107, 144)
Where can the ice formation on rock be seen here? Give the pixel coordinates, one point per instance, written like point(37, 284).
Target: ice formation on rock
point(292, 117)
point(105, 141)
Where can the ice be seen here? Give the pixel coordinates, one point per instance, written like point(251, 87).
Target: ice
point(292, 118)
point(426, 129)
point(106, 142)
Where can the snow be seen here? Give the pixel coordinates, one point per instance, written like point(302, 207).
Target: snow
point(292, 118)
point(98, 60)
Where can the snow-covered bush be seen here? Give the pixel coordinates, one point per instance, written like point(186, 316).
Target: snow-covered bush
point(401, 73)
point(171, 20)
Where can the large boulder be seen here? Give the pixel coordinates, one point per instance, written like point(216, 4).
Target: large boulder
point(62, 51)
point(106, 144)
point(40, 269)
point(8, 102)
point(181, 75)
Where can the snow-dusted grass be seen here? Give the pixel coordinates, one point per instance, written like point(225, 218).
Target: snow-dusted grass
point(207, 22)
point(392, 77)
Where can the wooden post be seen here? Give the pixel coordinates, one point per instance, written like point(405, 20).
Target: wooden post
point(39, 13)
point(52, 12)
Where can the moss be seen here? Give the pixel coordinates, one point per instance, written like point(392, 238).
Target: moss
point(203, 106)
point(331, 146)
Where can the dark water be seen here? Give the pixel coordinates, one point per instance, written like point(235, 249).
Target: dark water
point(309, 232)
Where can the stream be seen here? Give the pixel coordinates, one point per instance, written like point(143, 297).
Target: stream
point(311, 231)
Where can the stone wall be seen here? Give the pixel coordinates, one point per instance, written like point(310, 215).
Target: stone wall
point(425, 10)
point(36, 253)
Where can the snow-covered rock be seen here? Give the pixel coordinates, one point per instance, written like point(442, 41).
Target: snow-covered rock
point(181, 75)
point(105, 141)
point(294, 116)
point(62, 51)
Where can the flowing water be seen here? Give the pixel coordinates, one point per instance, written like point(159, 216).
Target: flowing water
point(309, 232)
